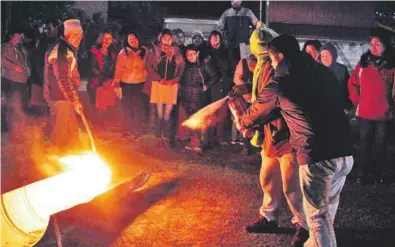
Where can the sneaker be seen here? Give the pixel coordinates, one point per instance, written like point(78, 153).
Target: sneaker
point(261, 225)
point(187, 147)
point(300, 237)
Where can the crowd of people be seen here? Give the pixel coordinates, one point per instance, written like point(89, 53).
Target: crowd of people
point(298, 103)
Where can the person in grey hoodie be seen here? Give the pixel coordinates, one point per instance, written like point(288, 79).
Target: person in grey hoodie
point(15, 72)
point(328, 57)
point(328, 54)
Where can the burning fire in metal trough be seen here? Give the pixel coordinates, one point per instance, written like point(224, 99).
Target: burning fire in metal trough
point(25, 211)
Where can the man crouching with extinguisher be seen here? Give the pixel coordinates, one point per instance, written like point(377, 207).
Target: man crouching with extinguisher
point(279, 169)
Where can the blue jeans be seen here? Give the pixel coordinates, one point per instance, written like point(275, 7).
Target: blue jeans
point(372, 145)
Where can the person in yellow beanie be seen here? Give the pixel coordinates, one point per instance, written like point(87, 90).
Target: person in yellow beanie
point(61, 83)
point(279, 170)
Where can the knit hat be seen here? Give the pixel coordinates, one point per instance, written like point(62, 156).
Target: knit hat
point(236, 3)
point(331, 49)
point(191, 47)
point(197, 33)
point(165, 31)
point(265, 34)
point(259, 38)
point(72, 26)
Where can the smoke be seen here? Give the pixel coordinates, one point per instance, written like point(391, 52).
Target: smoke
point(26, 145)
point(205, 117)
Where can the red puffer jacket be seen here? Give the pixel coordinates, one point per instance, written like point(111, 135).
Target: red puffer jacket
point(372, 91)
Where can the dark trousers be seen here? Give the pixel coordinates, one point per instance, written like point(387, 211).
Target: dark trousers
point(372, 146)
point(234, 57)
point(65, 133)
point(134, 104)
point(173, 122)
point(92, 95)
point(16, 103)
point(222, 128)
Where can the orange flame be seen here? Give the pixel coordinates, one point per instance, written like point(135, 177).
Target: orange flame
point(86, 177)
point(205, 117)
point(90, 168)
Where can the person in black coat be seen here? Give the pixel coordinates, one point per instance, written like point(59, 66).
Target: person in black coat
point(198, 78)
point(219, 59)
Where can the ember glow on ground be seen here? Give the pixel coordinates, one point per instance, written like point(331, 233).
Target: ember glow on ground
point(193, 201)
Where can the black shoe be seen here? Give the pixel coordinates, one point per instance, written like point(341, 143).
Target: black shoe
point(262, 225)
point(301, 235)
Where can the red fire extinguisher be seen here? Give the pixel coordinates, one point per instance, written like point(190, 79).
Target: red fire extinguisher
point(237, 107)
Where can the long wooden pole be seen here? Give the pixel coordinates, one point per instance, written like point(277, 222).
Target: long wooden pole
point(89, 132)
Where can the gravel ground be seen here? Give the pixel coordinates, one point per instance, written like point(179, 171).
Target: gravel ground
point(189, 200)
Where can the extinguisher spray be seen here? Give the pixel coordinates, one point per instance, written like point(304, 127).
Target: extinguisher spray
point(238, 106)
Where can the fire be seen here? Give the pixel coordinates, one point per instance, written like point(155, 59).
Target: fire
point(86, 176)
point(193, 123)
point(25, 211)
point(90, 169)
point(205, 117)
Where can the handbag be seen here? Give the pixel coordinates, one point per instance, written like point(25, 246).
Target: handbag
point(164, 94)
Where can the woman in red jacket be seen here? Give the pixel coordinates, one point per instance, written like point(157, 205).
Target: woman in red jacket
point(372, 90)
point(100, 91)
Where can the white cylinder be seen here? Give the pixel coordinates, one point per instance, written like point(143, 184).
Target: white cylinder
point(25, 211)
point(20, 224)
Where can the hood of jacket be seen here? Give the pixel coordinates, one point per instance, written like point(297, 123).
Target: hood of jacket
point(332, 50)
point(259, 37)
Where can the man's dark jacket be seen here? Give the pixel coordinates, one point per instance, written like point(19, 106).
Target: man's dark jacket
point(311, 102)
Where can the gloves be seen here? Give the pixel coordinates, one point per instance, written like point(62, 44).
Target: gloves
point(238, 91)
point(78, 108)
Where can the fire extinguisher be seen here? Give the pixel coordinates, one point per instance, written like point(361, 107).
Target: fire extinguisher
point(238, 106)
